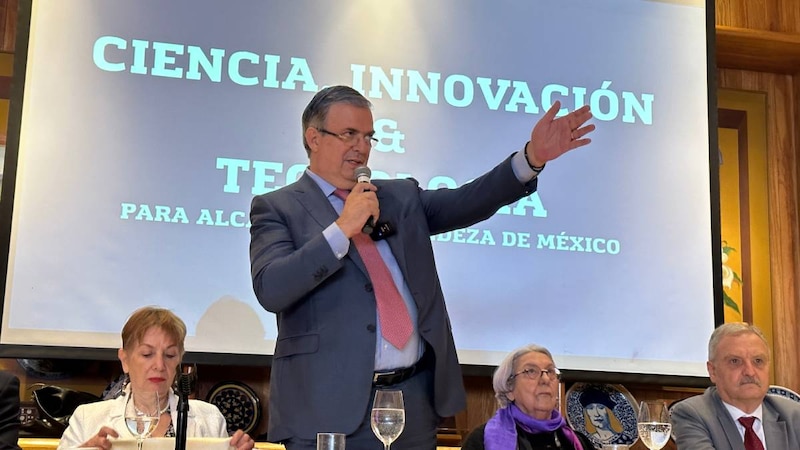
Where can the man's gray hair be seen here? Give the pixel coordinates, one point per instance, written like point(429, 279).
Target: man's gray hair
point(732, 329)
point(502, 382)
point(317, 109)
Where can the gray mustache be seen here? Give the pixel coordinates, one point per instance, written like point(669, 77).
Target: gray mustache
point(750, 380)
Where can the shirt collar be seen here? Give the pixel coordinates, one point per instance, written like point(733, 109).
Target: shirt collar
point(736, 413)
point(326, 187)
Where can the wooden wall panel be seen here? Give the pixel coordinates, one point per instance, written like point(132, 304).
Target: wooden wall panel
point(783, 194)
point(789, 16)
point(743, 14)
point(785, 16)
point(8, 25)
point(772, 15)
point(796, 121)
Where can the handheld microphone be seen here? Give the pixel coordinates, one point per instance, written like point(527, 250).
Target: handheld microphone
point(363, 175)
point(185, 381)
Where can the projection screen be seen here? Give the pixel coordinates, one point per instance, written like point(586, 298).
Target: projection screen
point(145, 128)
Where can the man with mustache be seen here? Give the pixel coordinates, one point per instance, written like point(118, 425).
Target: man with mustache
point(737, 414)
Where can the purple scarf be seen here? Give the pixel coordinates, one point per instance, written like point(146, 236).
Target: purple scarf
point(501, 430)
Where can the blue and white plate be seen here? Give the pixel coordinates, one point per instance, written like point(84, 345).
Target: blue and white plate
point(783, 392)
point(605, 413)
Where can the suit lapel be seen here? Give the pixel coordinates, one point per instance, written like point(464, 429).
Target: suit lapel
point(774, 428)
point(731, 432)
point(310, 196)
point(726, 422)
point(389, 204)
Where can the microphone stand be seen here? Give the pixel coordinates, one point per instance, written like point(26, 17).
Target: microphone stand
point(184, 389)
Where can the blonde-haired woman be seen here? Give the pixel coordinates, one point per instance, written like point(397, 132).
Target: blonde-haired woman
point(152, 350)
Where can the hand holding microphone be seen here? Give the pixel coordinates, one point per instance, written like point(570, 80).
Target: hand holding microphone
point(360, 207)
point(363, 175)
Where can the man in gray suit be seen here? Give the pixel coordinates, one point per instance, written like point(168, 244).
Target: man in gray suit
point(308, 268)
point(738, 364)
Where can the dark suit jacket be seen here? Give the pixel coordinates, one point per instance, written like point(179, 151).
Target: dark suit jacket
point(9, 411)
point(702, 422)
point(324, 355)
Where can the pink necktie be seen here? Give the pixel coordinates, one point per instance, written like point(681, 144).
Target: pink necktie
point(396, 324)
point(751, 440)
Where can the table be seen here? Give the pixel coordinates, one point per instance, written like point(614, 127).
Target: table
point(51, 444)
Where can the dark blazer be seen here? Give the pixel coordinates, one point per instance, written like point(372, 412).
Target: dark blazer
point(702, 422)
point(9, 411)
point(324, 355)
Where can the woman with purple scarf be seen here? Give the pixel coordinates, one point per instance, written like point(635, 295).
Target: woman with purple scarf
point(526, 385)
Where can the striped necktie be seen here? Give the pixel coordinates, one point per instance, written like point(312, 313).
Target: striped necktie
point(393, 314)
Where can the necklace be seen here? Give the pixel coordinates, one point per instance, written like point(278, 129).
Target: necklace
point(142, 413)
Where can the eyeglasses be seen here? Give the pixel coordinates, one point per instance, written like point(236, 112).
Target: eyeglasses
point(351, 137)
point(534, 373)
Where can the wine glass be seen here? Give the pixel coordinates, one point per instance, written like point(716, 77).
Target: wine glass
point(388, 416)
point(141, 414)
point(653, 424)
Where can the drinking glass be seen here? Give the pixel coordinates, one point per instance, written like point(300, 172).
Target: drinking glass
point(653, 424)
point(142, 412)
point(388, 416)
point(330, 441)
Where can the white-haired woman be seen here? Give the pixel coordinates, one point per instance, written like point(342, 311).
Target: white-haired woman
point(526, 387)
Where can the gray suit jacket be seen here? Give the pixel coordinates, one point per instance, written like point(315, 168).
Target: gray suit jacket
point(702, 422)
point(324, 355)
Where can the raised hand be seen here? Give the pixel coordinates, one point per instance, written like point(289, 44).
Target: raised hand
point(552, 137)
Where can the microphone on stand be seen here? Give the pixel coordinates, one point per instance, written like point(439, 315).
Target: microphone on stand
point(363, 175)
point(185, 381)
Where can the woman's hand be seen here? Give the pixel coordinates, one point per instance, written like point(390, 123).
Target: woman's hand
point(100, 440)
point(242, 441)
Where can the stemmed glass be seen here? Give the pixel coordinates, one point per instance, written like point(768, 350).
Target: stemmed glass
point(142, 414)
point(388, 416)
point(653, 424)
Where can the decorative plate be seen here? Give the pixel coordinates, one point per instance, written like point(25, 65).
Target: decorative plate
point(52, 369)
point(239, 403)
point(784, 392)
point(605, 413)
